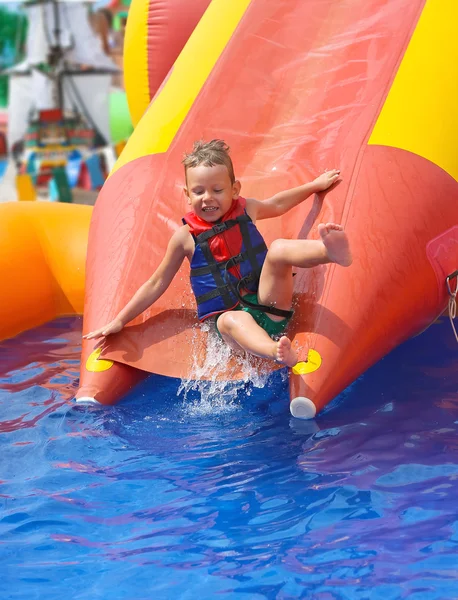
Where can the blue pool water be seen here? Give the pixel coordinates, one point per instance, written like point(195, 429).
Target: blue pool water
point(166, 498)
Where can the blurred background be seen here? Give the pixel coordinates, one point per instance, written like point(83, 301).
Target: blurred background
point(64, 117)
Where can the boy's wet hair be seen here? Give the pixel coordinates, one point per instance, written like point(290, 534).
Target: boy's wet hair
point(209, 154)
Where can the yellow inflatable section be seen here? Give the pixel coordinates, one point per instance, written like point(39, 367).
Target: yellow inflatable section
point(42, 261)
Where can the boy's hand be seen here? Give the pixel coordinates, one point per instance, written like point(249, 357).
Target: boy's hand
point(324, 181)
point(113, 327)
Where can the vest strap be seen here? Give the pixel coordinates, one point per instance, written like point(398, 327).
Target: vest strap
point(222, 288)
point(228, 264)
point(278, 312)
point(220, 228)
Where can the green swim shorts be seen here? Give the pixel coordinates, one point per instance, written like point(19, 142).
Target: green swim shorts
point(273, 328)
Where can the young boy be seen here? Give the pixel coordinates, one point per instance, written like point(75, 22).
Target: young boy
point(247, 288)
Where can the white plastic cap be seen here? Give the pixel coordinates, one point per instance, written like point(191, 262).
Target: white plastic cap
point(302, 408)
point(86, 400)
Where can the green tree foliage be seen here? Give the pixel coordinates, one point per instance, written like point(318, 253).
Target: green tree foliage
point(13, 31)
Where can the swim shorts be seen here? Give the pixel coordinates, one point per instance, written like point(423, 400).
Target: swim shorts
point(273, 328)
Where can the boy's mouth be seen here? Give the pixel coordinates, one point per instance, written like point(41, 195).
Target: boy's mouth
point(209, 209)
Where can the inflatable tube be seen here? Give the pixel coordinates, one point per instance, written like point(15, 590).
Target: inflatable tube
point(156, 32)
point(294, 87)
point(42, 261)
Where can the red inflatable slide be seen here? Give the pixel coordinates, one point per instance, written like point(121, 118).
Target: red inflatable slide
point(294, 88)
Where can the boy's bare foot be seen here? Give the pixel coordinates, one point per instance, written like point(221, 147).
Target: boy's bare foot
point(285, 352)
point(336, 242)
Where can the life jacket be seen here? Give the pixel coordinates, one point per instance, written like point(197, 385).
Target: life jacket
point(228, 257)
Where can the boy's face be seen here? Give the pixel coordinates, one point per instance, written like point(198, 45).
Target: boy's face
point(210, 191)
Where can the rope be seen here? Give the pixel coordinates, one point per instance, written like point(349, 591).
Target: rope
point(452, 301)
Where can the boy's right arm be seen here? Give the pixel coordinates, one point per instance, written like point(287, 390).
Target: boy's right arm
point(284, 201)
point(152, 289)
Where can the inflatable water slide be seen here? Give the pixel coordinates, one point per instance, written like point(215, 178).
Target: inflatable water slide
point(294, 88)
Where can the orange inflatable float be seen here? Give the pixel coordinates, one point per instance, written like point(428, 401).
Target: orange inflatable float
point(42, 263)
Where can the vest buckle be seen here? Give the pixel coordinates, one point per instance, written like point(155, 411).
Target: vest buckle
point(219, 227)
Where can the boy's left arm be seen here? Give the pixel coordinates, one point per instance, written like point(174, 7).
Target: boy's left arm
point(281, 203)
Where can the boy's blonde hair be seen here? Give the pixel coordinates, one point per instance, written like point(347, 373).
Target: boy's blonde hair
point(209, 154)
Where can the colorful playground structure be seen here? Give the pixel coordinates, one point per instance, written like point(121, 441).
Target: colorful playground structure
point(294, 88)
point(64, 113)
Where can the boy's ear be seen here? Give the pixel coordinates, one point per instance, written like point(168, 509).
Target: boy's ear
point(236, 187)
point(185, 190)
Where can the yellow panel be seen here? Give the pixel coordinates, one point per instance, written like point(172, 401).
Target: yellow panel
point(25, 188)
point(420, 113)
point(94, 364)
point(167, 112)
point(313, 363)
point(135, 59)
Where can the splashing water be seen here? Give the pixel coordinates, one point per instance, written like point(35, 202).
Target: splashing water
point(205, 381)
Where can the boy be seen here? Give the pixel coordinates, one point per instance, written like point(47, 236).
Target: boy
point(247, 288)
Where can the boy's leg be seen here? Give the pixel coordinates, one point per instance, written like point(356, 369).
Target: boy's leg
point(241, 332)
point(276, 282)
